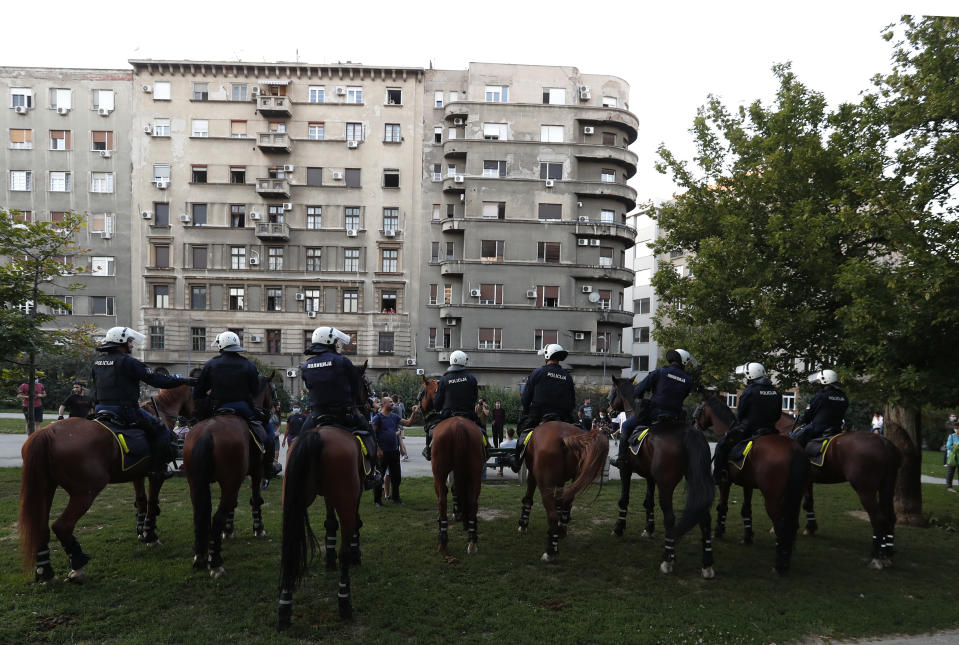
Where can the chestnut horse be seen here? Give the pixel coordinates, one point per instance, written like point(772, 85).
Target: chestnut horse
point(82, 457)
point(457, 448)
point(557, 452)
point(776, 466)
point(669, 452)
point(221, 449)
point(326, 461)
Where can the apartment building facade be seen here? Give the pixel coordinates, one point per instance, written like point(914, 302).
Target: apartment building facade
point(68, 151)
point(641, 299)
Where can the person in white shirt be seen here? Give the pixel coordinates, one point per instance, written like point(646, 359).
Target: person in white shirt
point(877, 423)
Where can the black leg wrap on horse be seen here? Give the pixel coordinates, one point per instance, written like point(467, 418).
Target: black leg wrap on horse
point(284, 610)
point(44, 568)
point(78, 559)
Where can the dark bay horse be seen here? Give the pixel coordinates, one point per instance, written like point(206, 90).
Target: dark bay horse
point(457, 448)
point(222, 449)
point(82, 457)
point(557, 452)
point(669, 452)
point(328, 462)
point(775, 465)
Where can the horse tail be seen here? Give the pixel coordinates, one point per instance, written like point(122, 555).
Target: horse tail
point(201, 474)
point(299, 542)
point(36, 490)
point(461, 471)
point(887, 488)
point(796, 485)
point(700, 489)
point(590, 451)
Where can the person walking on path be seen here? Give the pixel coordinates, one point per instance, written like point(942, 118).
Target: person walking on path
point(952, 456)
point(36, 410)
point(877, 423)
point(77, 404)
point(385, 425)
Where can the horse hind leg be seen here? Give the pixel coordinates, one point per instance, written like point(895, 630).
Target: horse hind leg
point(808, 505)
point(256, 504)
point(77, 506)
point(706, 531)
point(218, 530)
point(747, 515)
point(442, 500)
point(331, 526)
point(669, 522)
point(563, 508)
point(140, 504)
point(868, 500)
point(624, 483)
point(344, 598)
point(552, 516)
point(527, 503)
point(649, 503)
point(721, 510)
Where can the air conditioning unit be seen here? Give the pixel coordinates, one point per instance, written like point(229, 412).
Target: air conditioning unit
point(587, 288)
point(451, 322)
point(147, 89)
point(20, 109)
point(351, 232)
point(411, 362)
point(256, 339)
point(184, 218)
point(300, 296)
point(148, 129)
point(475, 293)
point(457, 121)
point(104, 111)
point(583, 93)
point(288, 167)
point(389, 232)
point(146, 215)
point(255, 92)
point(162, 183)
point(287, 206)
point(579, 204)
point(459, 179)
point(63, 110)
point(254, 216)
point(582, 242)
point(352, 144)
point(420, 372)
point(337, 175)
point(531, 293)
point(589, 129)
point(106, 154)
point(550, 183)
point(311, 314)
point(583, 218)
point(443, 357)
point(253, 263)
point(340, 90)
point(291, 373)
point(594, 242)
point(579, 335)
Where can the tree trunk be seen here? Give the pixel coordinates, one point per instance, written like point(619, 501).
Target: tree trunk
point(902, 427)
point(31, 392)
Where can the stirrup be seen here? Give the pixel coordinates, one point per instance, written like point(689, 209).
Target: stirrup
point(427, 453)
point(373, 480)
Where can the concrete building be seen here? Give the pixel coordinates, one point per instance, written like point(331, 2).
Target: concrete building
point(524, 204)
point(68, 150)
point(641, 299)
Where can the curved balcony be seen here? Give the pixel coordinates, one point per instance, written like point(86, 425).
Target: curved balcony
point(598, 359)
point(610, 230)
point(452, 267)
point(453, 311)
point(454, 225)
point(617, 317)
point(273, 106)
point(607, 154)
point(584, 114)
point(610, 117)
point(607, 190)
point(455, 184)
point(274, 142)
point(596, 272)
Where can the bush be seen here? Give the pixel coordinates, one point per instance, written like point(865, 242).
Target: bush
point(405, 383)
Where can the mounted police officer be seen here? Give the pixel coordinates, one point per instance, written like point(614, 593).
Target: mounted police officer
point(456, 395)
point(333, 384)
point(231, 381)
point(760, 406)
point(670, 385)
point(825, 412)
point(116, 388)
point(549, 391)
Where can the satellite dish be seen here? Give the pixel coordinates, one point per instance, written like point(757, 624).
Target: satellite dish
point(594, 297)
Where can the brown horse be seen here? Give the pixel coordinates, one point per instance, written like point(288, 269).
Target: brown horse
point(222, 449)
point(669, 452)
point(326, 461)
point(82, 457)
point(457, 448)
point(775, 465)
point(557, 452)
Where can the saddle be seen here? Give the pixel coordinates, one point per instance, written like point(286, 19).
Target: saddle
point(816, 449)
point(133, 443)
point(740, 451)
point(635, 441)
point(255, 428)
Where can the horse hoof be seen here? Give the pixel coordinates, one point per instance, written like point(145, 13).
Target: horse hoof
point(260, 533)
point(772, 529)
point(709, 573)
point(646, 534)
point(876, 564)
point(153, 543)
point(521, 529)
point(199, 563)
point(217, 573)
point(886, 562)
point(228, 536)
point(472, 548)
point(666, 567)
point(77, 576)
point(806, 532)
point(546, 557)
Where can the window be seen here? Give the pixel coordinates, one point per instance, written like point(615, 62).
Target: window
point(550, 170)
point(23, 216)
point(236, 298)
point(607, 216)
point(605, 257)
point(453, 96)
point(102, 139)
point(548, 295)
point(237, 215)
point(391, 219)
point(495, 131)
point(101, 182)
point(101, 306)
point(554, 96)
point(316, 131)
point(200, 92)
point(447, 294)
point(354, 95)
point(789, 402)
point(394, 96)
point(161, 255)
point(550, 212)
point(492, 250)
point(21, 180)
point(161, 172)
point(641, 335)
point(61, 98)
point(390, 260)
point(274, 341)
point(494, 210)
point(431, 338)
point(435, 213)
point(544, 337)
point(238, 92)
point(352, 177)
point(641, 305)
point(354, 131)
point(438, 99)
point(161, 214)
point(237, 174)
point(60, 182)
point(449, 251)
point(274, 256)
point(198, 339)
point(609, 101)
point(438, 134)
point(551, 133)
point(350, 348)
point(609, 139)
point(201, 128)
point(351, 217)
point(497, 94)
point(21, 97)
point(311, 300)
point(547, 252)
point(447, 337)
point(21, 139)
point(392, 133)
point(314, 257)
point(604, 342)
point(161, 90)
point(451, 134)
point(198, 212)
point(640, 363)
point(351, 259)
point(317, 94)
point(237, 257)
point(391, 178)
point(388, 301)
point(161, 296)
point(491, 294)
point(489, 338)
point(66, 309)
point(156, 336)
point(102, 266)
point(161, 127)
point(434, 289)
point(493, 168)
point(275, 213)
point(314, 217)
point(608, 176)
point(451, 170)
point(605, 296)
point(103, 100)
point(314, 176)
point(274, 299)
point(60, 140)
point(198, 297)
point(732, 400)
point(385, 345)
point(351, 301)
point(198, 175)
point(237, 129)
point(450, 210)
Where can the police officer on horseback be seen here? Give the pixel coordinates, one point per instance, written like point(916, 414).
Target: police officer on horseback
point(760, 407)
point(116, 380)
point(549, 391)
point(670, 385)
point(333, 383)
point(825, 412)
point(231, 382)
point(456, 395)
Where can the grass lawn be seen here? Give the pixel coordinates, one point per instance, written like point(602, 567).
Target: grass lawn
point(601, 590)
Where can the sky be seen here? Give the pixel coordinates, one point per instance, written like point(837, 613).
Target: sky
point(673, 53)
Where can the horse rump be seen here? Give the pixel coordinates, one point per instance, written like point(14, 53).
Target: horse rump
point(300, 544)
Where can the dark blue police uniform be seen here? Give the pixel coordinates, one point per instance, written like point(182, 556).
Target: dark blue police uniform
point(824, 414)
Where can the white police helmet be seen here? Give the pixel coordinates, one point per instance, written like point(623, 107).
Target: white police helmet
point(329, 335)
point(120, 336)
point(460, 358)
point(681, 356)
point(555, 352)
point(751, 371)
point(228, 342)
point(824, 377)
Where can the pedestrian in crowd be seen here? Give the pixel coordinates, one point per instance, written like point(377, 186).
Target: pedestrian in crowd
point(509, 443)
point(601, 422)
point(952, 456)
point(482, 412)
point(78, 404)
point(586, 414)
point(499, 420)
point(400, 408)
point(877, 423)
point(294, 423)
point(617, 423)
point(385, 425)
point(23, 392)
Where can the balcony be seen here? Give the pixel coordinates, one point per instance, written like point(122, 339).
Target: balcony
point(273, 232)
point(454, 225)
point(607, 154)
point(269, 187)
point(274, 142)
point(602, 189)
point(610, 360)
point(273, 106)
point(584, 115)
point(617, 317)
point(453, 311)
point(451, 185)
point(597, 272)
point(452, 267)
point(611, 230)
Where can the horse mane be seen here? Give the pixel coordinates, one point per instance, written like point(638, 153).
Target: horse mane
point(719, 408)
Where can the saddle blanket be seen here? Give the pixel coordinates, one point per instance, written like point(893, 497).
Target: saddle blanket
point(134, 447)
point(635, 442)
point(737, 456)
point(816, 450)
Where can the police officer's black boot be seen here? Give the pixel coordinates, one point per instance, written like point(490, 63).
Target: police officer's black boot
point(621, 458)
point(427, 453)
point(721, 465)
point(270, 469)
point(161, 454)
point(517, 453)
